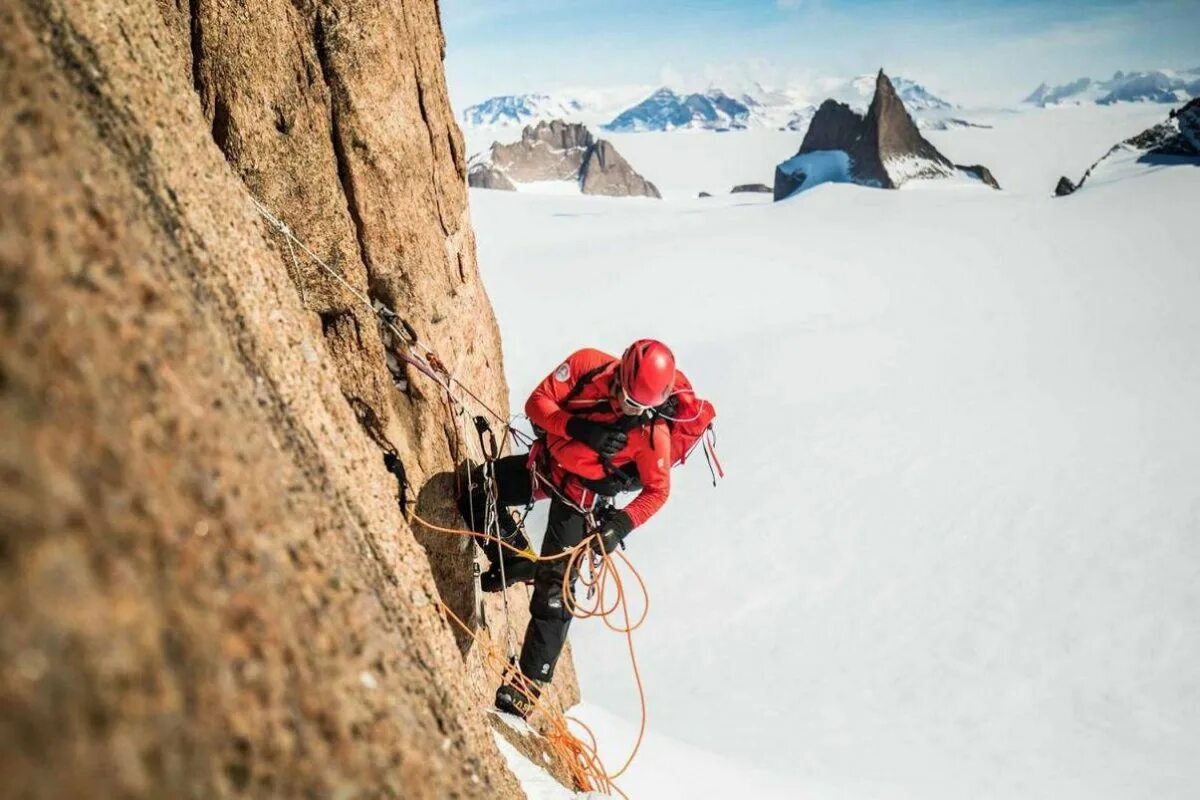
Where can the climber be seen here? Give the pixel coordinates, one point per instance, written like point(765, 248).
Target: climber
point(605, 426)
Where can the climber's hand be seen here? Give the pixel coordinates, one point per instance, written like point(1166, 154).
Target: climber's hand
point(604, 439)
point(612, 531)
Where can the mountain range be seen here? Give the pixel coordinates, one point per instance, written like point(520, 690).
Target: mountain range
point(1157, 86)
point(517, 109)
point(715, 109)
point(667, 110)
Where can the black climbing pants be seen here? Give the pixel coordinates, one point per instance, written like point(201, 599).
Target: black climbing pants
point(549, 617)
point(514, 488)
point(566, 527)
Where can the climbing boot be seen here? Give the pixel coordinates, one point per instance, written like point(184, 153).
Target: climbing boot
point(512, 700)
point(516, 570)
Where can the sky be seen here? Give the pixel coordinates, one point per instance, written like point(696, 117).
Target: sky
point(983, 52)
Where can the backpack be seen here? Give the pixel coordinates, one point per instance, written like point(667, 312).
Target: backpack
point(689, 418)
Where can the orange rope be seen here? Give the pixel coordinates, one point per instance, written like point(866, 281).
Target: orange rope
point(582, 759)
point(532, 556)
point(599, 581)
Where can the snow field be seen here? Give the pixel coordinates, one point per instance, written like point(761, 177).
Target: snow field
point(956, 554)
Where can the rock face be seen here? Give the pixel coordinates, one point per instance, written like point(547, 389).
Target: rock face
point(559, 151)
point(883, 148)
point(980, 172)
point(207, 586)
point(1178, 136)
point(891, 149)
point(1064, 187)
point(606, 172)
point(1176, 140)
point(548, 151)
point(490, 178)
point(835, 126)
point(742, 188)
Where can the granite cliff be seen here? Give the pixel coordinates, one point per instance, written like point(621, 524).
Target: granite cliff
point(207, 583)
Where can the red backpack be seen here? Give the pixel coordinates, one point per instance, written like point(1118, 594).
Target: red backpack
point(691, 423)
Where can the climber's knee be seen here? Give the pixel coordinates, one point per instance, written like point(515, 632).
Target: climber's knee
point(548, 603)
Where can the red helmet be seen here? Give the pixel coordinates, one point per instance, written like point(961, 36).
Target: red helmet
point(647, 373)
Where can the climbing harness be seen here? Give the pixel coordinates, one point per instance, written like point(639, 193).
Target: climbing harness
point(491, 525)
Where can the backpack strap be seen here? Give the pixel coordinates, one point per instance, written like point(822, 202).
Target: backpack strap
point(576, 390)
point(582, 383)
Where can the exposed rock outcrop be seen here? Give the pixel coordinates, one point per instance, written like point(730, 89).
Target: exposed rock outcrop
point(1175, 140)
point(559, 151)
point(207, 585)
point(980, 172)
point(487, 177)
point(605, 172)
point(548, 151)
point(1178, 136)
point(884, 148)
point(835, 126)
point(742, 188)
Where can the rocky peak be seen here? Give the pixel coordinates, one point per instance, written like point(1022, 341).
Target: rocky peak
point(884, 148)
point(559, 151)
point(890, 132)
point(606, 172)
point(558, 135)
point(835, 126)
point(1038, 95)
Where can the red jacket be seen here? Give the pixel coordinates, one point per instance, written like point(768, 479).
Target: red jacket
point(649, 446)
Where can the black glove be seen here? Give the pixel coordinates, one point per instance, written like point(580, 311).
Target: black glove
point(606, 440)
point(612, 530)
point(669, 408)
point(624, 478)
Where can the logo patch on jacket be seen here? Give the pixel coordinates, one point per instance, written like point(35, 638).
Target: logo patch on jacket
point(563, 373)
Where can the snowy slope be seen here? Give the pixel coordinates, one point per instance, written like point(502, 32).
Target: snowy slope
point(956, 554)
